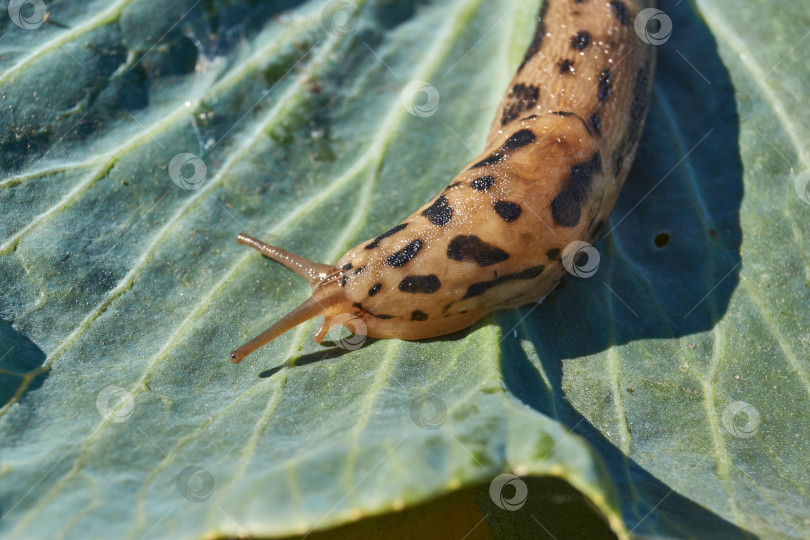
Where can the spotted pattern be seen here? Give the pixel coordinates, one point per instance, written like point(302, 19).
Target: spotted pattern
point(497, 242)
point(376, 242)
point(621, 12)
point(604, 85)
point(509, 211)
point(420, 284)
point(565, 207)
point(521, 98)
point(359, 306)
point(491, 160)
point(641, 100)
point(483, 183)
point(539, 33)
point(439, 213)
point(471, 248)
point(404, 255)
point(417, 315)
point(581, 40)
point(521, 138)
point(477, 289)
point(595, 120)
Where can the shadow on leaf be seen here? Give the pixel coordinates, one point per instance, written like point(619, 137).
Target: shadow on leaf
point(670, 261)
point(20, 360)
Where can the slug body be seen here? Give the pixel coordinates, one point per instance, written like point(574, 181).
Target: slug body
point(558, 153)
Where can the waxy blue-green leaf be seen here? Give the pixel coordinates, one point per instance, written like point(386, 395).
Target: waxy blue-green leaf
point(670, 389)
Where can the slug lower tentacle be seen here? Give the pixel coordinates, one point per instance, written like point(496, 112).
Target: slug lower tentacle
point(558, 153)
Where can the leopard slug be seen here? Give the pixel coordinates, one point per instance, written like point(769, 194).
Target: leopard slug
point(558, 153)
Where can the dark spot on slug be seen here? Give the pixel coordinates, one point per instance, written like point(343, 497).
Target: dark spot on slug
point(520, 138)
point(359, 306)
point(604, 84)
point(491, 160)
point(566, 67)
point(419, 315)
point(581, 40)
point(639, 105)
point(359, 270)
point(451, 186)
point(439, 213)
point(565, 114)
point(374, 243)
point(521, 98)
point(420, 284)
point(401, 257)
point(619, 151)
point(477, 289)
point(596, 123)
point(347, 266)
point(343, 281)
point(539, 33)
point(621, 12)
point(483, 183)
point(377, 287)
point(565, 207)
point(471, 248)
point(553, 254)
point(509, 211)
point(661, 239)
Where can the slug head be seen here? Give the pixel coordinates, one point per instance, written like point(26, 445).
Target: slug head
point(327, 298)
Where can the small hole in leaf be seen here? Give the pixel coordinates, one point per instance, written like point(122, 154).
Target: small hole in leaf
point(661, 239)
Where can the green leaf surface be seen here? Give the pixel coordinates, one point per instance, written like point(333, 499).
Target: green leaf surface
point(670, 389)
